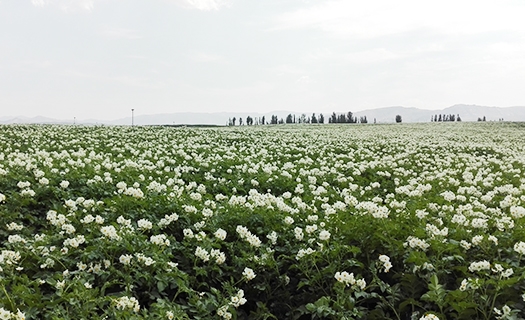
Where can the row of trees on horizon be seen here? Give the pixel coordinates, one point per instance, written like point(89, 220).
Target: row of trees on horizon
point(333, 118)
point(444, 118)
point(303, 118)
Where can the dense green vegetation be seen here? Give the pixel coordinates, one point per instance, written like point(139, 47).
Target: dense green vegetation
point(418, 221)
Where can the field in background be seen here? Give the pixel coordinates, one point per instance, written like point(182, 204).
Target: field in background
point(276, 222)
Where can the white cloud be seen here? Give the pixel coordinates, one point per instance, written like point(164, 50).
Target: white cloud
point(286, 69)
point(39, 3)
point(38, 64)
point(304, 80)
point(371, 55)
point(358, 57)
point(68, 6)
point(140, 82)
point(125, 80)
point(368, 19)
point(206, 57)
point(114, 32)
point(205, 5)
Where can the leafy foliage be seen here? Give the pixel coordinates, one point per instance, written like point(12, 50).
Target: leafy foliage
point(287, 222)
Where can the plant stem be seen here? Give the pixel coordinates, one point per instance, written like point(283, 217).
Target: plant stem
point(8, 298)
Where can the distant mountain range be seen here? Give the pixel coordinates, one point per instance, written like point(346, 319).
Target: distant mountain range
point(381, 115)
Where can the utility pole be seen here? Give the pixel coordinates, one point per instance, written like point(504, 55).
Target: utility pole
point(132, 120)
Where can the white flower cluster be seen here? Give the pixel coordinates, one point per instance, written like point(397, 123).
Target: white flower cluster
point(429, 316)
point(235, 301)
point(460, 219)
point(147, 261)
point(168, 219)
point(49, 263)
point(110, 232)
point(9, 257)
point(519, 247)
point(348, 279)
point(8, 315)
point(188, 233)
point(421, 214)
point(125, 259)
point(127, 303)
point(303, 252)
point(2, 197)
point(71, 205)
point(144, 224)
point(238, 299)
point(465, 284)
point(16, 238)
point(64, 184)
point(477, 240)
point(416, 243)
point(310, 228)
point(13, 226)
point(224, 313)
point(434, 231)
point(504, 313)
point(252, 239)
point(202, 254)
point(378, 212)
point(479, 266)
point(220, 234)
point(126, 224)
point(160, 240)
point(272, 236)
point(248, 274)
point(505, 273)
point(68, 228)
point(75, 242)
point(219, 256)
point(493, 239)
point(515, 211)
point(299, 235)
point(504, 223)
point(157, 187)
point(385, 260)
point(479, 223)
point(26, 191)
point(448, 195)
point(55, 218)
point(134, 192)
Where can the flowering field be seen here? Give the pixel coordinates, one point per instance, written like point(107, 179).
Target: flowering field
point(403, 221)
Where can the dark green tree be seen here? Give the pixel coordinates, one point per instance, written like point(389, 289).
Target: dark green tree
point(333, 118)
point(350, 117)
point(302, 119)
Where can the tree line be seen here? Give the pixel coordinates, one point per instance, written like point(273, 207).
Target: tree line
point(303, 118)
point(444, 118)
point(333, 118)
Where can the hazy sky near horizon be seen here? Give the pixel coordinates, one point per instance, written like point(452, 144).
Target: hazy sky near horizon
point(101, 58)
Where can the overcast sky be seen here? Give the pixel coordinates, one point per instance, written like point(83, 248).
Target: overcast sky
point(101, 58)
